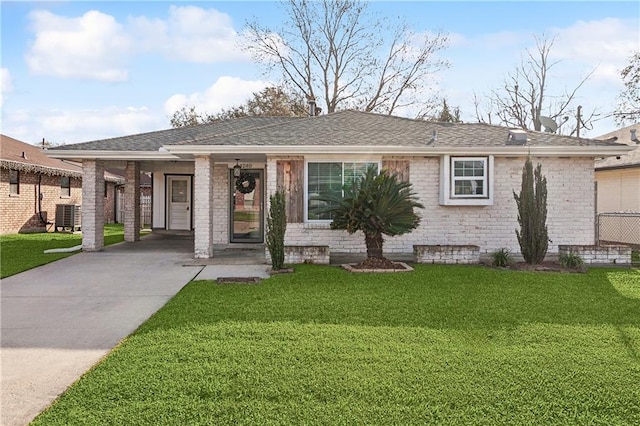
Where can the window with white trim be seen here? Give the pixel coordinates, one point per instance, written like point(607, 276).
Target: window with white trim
point(469, 177)
point(466, 181)
point(327, 178)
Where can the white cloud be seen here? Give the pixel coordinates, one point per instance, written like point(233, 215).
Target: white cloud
point(96, 46)
point(605, 40)
point(92, 46)
point(604, 45)
point(6, 84)
point(224, 93)
point(71, 126)
point(190, 34)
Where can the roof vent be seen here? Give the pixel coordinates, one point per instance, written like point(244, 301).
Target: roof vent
point(634, 138)
point(434, 136)
point(517, 137)
point(24, 155)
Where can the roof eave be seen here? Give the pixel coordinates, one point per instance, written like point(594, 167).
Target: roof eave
point(505, 151)
point(81, 154)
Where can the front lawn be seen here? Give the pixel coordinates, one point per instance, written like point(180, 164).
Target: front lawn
point(20, 252)
point(442, 345)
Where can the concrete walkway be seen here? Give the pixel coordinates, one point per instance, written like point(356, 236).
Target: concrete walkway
point(60, 319)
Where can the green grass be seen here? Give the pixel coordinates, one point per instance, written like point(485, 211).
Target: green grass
point(20, 252)
point(442, 345)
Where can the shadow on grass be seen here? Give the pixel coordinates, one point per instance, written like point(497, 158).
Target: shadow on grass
point(457, 297)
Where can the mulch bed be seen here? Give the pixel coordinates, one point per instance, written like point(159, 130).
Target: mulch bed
point(378, 265)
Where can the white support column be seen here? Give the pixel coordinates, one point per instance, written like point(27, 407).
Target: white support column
point(132, 201)
point(203, 207)
point(92, 205)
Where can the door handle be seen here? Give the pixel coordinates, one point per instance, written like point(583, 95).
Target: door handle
point(187, 208)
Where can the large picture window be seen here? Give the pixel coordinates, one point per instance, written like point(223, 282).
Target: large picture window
point(14, 182)
point(327, 179)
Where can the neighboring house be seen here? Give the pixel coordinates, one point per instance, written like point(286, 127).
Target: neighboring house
point(464, 174)
point(32, 184)
point(619, 177)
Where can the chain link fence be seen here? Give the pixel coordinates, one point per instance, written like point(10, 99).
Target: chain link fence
point(619, 228)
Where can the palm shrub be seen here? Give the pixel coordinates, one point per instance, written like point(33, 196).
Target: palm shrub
point(377, 205)
point(276, 228)
point(532, 214)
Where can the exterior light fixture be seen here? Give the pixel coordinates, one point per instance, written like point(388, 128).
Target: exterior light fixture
point(237, 169)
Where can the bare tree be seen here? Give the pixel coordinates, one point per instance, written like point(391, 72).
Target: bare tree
point(335, 51)
point(628, 110)
point(524, 96)
point(271, 101)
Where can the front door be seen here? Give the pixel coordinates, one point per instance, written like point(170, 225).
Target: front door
point(247, 207)
point(179, 202)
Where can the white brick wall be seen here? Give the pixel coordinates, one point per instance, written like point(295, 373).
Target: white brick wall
point(570, 210)
point(603, 255)
point(447, 254)
point(221, 202)
point(92, 205)
point(132, 201)
point(202, 207)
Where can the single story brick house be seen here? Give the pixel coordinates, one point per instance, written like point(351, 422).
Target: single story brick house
point(33, 184)
point(464, 174)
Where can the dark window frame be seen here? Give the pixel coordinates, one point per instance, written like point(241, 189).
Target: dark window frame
point(65, 190)
point(14, 182)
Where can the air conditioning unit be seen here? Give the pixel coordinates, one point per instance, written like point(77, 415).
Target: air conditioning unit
point(68, 217)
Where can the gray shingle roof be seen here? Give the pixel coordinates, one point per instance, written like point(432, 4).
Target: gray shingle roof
point(341, 128)
point(152, 141)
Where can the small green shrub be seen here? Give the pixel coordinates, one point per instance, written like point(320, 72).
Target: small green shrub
point(502, 257)
point(635, 256)
point(571, 260)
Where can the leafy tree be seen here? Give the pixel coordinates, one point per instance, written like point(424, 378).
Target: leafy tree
point(532, 214)
point(524, 95)
point(628, 111)
point(276, 228)
point(377, 205)
point(335, 50)
point(271, 101)
point(188, 116)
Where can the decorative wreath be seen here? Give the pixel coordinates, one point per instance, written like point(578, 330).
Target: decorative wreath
point(245, 183)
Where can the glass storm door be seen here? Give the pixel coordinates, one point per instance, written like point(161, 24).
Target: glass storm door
point(247, 211)
point(179, 202)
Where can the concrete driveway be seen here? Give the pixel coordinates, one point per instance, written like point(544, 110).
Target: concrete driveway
point(58, 320)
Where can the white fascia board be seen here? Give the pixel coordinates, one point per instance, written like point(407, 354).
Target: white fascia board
point(507, 151)
point(80, 155)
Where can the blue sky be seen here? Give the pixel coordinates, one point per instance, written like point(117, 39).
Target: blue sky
point(81, 70)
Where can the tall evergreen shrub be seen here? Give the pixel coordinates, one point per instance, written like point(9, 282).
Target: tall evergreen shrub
point(532, 214)
point(276, 227)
